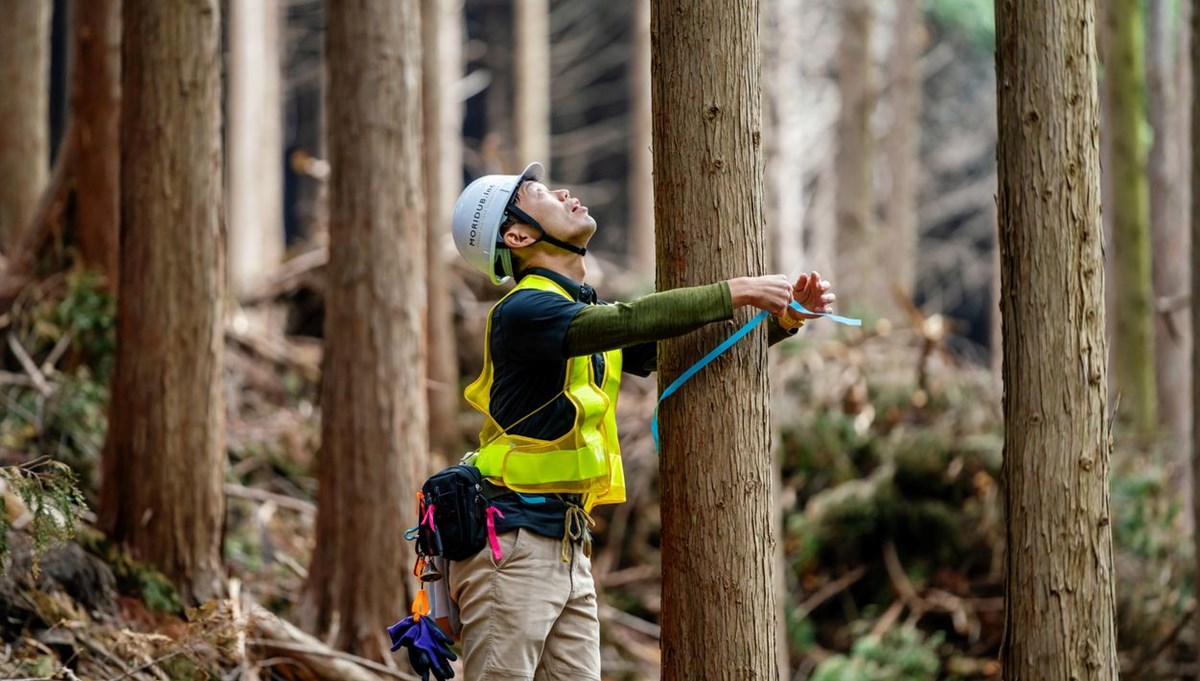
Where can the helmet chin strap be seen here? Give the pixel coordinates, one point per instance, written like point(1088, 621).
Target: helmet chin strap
point(528, 219)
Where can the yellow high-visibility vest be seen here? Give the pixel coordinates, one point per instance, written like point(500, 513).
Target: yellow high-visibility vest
point(586, 460)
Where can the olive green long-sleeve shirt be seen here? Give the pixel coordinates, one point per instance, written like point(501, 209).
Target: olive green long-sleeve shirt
point(636, 326)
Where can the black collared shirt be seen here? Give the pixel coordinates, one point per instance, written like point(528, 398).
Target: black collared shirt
point(528, 348)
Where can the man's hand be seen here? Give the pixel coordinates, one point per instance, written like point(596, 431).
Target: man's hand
point(812, 292)
point(771, 292)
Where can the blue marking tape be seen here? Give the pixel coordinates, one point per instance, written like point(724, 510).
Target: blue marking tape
point(728, 343)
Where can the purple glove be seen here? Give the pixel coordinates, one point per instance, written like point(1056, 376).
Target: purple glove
point(428, 646)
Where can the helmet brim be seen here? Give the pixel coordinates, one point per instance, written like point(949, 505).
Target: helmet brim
point(534, 171)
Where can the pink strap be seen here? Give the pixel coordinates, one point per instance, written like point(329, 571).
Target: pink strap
point(497, 554)
point(429, 518)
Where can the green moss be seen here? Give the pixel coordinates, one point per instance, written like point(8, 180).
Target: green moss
point(135, 578)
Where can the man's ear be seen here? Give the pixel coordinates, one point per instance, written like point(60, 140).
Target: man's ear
point(519, 236)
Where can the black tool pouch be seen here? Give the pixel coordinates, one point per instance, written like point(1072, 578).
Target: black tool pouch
point(452, 519)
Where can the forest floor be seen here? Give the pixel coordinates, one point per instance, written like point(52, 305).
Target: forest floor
point(889, 446)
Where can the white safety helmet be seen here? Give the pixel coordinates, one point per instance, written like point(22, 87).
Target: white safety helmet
point(478, 214)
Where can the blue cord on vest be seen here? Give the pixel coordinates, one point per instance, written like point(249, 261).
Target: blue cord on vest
point(728, 343)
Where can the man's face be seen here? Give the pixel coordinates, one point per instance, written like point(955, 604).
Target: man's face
point(559, 213)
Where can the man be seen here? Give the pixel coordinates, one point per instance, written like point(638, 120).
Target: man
point(553, 356)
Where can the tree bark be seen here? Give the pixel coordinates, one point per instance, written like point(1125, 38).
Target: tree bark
point(898, 250)
point(1182, 214)
point(255, 143)
point(1195, 278)
point(164, 460)
point(716, 460)
point(1169, 243)
point(96, 105)
point(24, 110)
point(441, 26)
point(1059, 604)
point(531, 105)
point(641, 158)
point(1133, 344)
point(374, 424)
point(856, 229)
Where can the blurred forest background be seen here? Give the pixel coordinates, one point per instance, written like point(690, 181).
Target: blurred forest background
point(880, 156)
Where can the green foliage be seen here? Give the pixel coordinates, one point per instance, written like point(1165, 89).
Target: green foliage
point(50, 495)
point(90, 314)
point(901, 654)
point(76, 333)
point(1153, 553)
point(133, 577)
point(975, 20)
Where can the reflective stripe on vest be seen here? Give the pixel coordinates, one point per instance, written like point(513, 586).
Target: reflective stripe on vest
point(587, 459)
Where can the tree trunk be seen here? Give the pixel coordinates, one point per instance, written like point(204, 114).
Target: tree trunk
point(1182, 215)
point(1194, 294)
point(898, 251)
point(255, 143)
point(641, 159)
point(1059, 608)
point(1133, 345)
point(441, 25)
point(716, 460)
point(1107, 187)
point(374, 425)
point(785, 109)
point(1169, 243)
point(24, 110)
point(531, 74)
point(856, 269)
point(96, 105)
point(164, 460)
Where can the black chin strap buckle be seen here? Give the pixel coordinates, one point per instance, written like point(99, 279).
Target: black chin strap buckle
point(528, 219)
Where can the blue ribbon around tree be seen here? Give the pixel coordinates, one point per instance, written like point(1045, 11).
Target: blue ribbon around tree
point(728, 343)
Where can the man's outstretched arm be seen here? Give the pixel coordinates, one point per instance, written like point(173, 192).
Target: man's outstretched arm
point(638, 324)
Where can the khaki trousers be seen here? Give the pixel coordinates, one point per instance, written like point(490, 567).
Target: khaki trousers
point(531, 616)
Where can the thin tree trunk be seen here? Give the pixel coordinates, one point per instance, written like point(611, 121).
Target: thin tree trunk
point(856, 228)
point(1169, 243)
point(785, 108)
point(255, 143)
point(164, 460)
point(96, 104)
point(531, 105)
point(1059, 608)
point(1182, 211)
point(1133, 345)
point(1194, 90)
point(641, 158)
point(374, 424)
point(24, 109)
point(716, 460)
point(898, 250)
point(1107, 185)
point(441, 26)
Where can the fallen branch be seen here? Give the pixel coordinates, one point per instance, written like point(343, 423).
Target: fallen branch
point(1150, 655)
point(97, 648)
point(628, 621)
point(888, 619)
point(935, 599)
point(829, 591)
point(281, 500)
point(39, 381)
point(631, 575)
point(278, 350)
point(327, 663)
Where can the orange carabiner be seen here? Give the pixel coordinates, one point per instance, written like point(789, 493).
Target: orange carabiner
point(420, 606)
